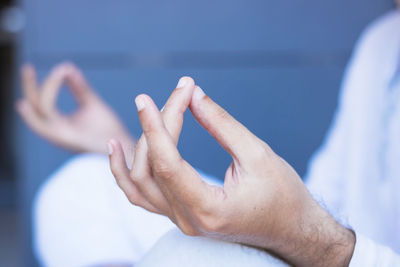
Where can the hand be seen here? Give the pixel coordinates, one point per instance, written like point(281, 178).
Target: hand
point(263, 202)
point(86, 130)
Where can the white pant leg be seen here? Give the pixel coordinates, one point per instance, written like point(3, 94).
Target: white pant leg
point(175, 249)
point(82, 218)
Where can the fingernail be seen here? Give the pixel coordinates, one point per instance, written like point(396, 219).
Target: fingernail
point(182, 82)
point(140, 103)
point(198, 93)
point(110, 148)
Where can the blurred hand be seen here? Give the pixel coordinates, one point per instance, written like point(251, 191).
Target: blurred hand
point(263, 202)
point(86, 130)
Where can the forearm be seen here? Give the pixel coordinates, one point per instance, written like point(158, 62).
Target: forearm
point(317, 240)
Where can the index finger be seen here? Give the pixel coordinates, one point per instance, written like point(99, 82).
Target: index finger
point(170, 171)
point(233, 136)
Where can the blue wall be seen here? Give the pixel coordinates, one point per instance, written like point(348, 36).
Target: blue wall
point(275, 65)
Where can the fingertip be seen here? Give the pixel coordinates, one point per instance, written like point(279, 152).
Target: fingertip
point(60, 69)
point(113, 146)
point(185, 81)
point(149, 114)
point(110, 147)
point(140, 102)
point(117, 159)
point(28, 70)
point(26, 67)
point(71, 68)
point(198, 93)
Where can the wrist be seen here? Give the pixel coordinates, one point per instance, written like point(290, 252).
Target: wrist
point(316, 239)
point(334, 244)
point(341, 249)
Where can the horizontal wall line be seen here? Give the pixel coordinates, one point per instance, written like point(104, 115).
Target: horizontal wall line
point(204, 60)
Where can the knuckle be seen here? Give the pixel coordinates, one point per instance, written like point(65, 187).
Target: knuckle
point(188, 80)
point(134, 176)
point(222, 114)
point(151, 130)
point(260, 153)
point(210, 220)
point(188, 229)
point(207, 207)
point(210, 223)
point(164, 168)
point(139, 180)
point(116, 172)
point(132, 199)
point(137, 200)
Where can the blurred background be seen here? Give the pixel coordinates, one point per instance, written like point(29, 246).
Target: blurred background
point(275, 65)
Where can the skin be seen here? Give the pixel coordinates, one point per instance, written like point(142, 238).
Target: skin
point(81, 131)
point(263, 201)
point(249, 208)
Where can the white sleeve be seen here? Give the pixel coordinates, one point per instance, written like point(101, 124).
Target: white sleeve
point(369, 254)
point(329, 167)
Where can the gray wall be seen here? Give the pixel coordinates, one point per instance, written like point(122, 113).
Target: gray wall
point(275, 65)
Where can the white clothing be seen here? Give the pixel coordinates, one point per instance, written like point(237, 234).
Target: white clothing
point(199, 252)
point(356, 173)
point(82, 218)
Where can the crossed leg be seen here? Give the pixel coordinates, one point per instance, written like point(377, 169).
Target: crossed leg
point(82, 218)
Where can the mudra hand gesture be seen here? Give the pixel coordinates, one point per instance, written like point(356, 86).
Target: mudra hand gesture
point(263, 201)
point(87, 129)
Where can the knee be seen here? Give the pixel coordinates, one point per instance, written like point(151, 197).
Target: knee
point(69, 192)
point(199, 251)
point(78, 174)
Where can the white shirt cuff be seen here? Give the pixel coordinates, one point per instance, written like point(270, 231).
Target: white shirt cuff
point(368, 253)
